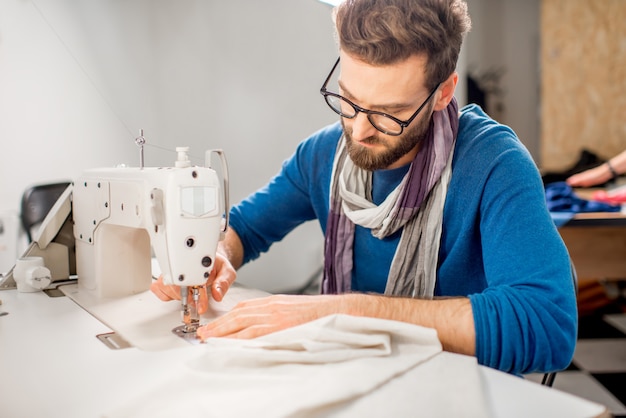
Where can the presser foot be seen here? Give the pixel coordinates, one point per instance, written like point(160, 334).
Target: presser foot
point(188, 333)
point(190, 316)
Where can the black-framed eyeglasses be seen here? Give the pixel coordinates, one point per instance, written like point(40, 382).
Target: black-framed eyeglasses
point(385, 123)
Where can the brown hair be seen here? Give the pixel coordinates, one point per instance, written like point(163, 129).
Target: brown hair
point(382, 32)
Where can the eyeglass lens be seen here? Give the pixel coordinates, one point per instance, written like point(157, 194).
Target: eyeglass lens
point(347, 110)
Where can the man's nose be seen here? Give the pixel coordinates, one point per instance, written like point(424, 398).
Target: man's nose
point(361, 127)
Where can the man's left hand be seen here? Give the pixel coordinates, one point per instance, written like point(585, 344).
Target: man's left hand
point(256, 317)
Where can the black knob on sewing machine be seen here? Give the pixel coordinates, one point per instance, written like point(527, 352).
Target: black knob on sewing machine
point(206, 261)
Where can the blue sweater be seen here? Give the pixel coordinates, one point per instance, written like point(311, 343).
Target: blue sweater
point(499, 246)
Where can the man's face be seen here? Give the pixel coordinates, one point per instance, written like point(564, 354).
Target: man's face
point(395, 89)
point(381, 151)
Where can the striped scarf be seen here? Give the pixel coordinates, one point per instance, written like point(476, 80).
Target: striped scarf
point(416, 205)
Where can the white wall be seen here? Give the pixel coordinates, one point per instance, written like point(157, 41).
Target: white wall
point(505, 34)
point(78, 79)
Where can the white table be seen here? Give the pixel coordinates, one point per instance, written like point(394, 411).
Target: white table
point(52, 364)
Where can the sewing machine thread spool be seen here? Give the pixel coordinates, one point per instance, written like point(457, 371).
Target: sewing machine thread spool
point(182, 159)
point(31, 275)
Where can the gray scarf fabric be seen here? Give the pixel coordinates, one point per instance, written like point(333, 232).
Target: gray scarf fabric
point(416, 205)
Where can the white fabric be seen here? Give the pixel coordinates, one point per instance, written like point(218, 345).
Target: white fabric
point(294, 372)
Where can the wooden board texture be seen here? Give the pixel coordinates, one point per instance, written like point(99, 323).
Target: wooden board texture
point(583, 80)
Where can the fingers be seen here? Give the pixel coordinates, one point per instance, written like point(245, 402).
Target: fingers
point(255, 331)
point(203, 300)
point(163, 291)
point(219, 289)
point(238, 325)
point(241, 322)
point(222, 276)
point(172, 292)
point(589, 177)
point(576, 180)
point(256, 317)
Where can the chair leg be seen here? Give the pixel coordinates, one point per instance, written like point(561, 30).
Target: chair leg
point(548, 379)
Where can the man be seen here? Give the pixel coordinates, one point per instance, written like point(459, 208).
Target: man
point(430, 216)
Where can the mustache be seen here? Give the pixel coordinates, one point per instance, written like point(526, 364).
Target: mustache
point(371, 140)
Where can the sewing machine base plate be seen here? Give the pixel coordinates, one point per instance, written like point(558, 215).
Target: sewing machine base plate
point(190, 337)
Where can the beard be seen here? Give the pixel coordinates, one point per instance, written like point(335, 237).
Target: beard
point(395, 147)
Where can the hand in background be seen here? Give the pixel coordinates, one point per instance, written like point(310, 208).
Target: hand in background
point(591, 177)
point(599, 175)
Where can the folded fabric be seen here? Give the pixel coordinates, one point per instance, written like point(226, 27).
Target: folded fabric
point(560, 197)
point(294, 372)
point(612, 197)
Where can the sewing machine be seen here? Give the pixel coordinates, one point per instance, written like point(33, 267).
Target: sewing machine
point(121, 213)
point(102, 237)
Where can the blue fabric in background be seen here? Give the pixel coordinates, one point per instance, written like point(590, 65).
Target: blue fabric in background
point(561, 218)
point(563, 203)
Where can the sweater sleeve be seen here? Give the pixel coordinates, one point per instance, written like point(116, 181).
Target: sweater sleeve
point(526, 317)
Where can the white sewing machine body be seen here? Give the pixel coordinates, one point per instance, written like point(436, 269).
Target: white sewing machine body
point(120, 213)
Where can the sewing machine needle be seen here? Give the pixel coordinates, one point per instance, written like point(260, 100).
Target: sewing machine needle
point(190, 316)
point(191, 319)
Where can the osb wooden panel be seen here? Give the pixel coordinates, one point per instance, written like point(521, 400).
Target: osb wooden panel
point(583, 78)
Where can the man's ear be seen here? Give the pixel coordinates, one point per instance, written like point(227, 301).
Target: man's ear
point(446, 92)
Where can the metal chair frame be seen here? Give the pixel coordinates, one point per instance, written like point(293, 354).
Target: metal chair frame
point(36, 203)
